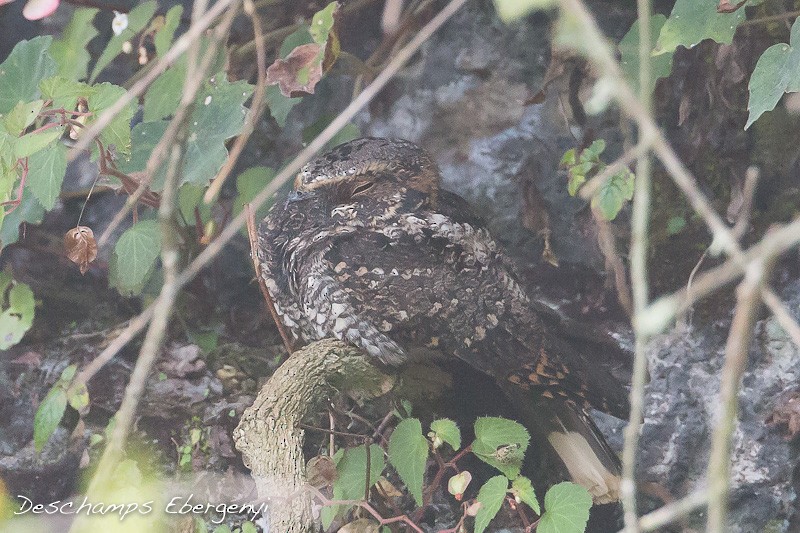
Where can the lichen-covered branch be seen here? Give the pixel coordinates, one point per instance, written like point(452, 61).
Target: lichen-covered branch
point(269, 435)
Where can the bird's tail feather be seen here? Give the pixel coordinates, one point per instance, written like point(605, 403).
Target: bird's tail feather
point(579, 444)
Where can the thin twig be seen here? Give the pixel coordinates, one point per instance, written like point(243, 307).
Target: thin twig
point(640, 223)
point(252, 234)
point(736, 351)
point(256, 109)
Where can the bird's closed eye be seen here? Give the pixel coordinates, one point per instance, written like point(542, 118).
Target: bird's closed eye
point(363, 187)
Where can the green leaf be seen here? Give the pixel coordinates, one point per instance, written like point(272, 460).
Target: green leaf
point(249, 527)
point(693, 21)
point(46, 170)
point(29, 210)
point(68, 373)
point(777, 72)
point(613, 194)
point(70, 52)
point(511, 10)
point(78, 397)
point(17, 316)
point(118, 132)
point(351, 465)
point(299, 37)
point(218, 115)
point(27, 64)
point(137, 20)
point(164, 94)
point(248, 184)
point(279, 105)
point(660, 65)
point(491, 497)
point(523, 490)
point(322, 23)
point(136, 253)
point(64, 92)
point(7, 158)
point(675, 225)
point(447, 431)
point(48, 416)
point(31, 143)
point(568, 159)
point(163, 37)
point(501, 443)
point(566, 509)
point(408, 454)
point(575, 181)
point(591, 154)
point(22, 116)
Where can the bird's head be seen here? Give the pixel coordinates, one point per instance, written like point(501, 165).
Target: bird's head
point(369, 168)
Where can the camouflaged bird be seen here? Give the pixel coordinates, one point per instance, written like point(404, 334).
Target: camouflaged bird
point(369, 249)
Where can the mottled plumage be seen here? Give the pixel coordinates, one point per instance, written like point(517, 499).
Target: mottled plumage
point(370, 250)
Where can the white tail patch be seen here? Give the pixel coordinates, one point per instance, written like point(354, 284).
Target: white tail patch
point(585, 467)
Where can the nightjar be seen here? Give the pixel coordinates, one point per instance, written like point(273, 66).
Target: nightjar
point(369, 249)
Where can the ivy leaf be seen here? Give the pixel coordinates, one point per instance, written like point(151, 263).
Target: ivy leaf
point(137, 20)
point(501, 443)
point(776, 73)
point(118, 131)
point(31, 143)
point(351, 465)
point(22, 116)
point(70, 51)
point(136, 252)
point(298, 72)
point(447, 431)
point(48, 416)
point(660, 65)
point(408, 453)
point(566, 509)
point(523, 491)
point(491, 497)
point(511, 10)
point(218, 115)
point(164, 94)
point(248, 184)
point(613, 194)
point(18, 309)
point(279, 105)
point(46, 169)
point(27, 64)
point(164, 35)
point(64, 92)
point(693, 21)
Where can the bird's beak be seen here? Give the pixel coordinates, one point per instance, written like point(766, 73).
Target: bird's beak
point(297, 196)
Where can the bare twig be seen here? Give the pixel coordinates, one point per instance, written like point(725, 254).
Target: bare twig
point(640, 222)
point(673, 511)
point(256, 108)
point(252, 234)
point(736, 350)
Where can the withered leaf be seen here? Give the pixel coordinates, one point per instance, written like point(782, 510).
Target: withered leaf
point(725, 6)
point(80, 246)
point(299, 73)
point(321, 471)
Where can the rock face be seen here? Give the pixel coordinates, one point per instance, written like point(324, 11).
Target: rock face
point(471, 113)
point(682, 400)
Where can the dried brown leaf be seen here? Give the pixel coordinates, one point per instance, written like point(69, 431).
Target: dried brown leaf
point(299, 73)
point(321, 471)
point(80, 246)
point(725, 6)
